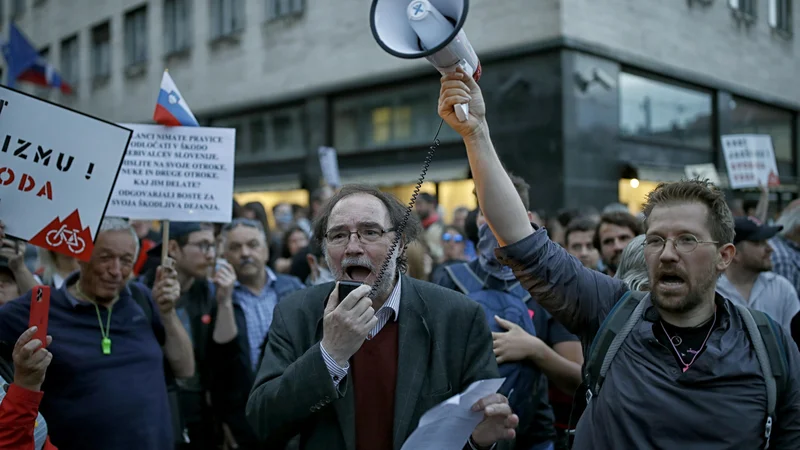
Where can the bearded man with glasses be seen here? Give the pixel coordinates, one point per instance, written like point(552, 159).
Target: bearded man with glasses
point(358, 372)
point(688, 373)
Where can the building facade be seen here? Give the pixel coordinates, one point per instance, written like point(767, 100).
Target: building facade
point(582, 95)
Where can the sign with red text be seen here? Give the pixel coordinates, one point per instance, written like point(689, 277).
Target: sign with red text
point(750, 160)
point(183, 174)
point(57, 169)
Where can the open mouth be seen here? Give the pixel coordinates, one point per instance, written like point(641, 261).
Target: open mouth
point(358, 273)
point(670, 280)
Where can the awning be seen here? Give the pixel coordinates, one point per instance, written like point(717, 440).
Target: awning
point(385, 176)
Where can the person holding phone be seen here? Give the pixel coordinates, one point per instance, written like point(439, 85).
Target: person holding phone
point(344, 369)
point(21, 425)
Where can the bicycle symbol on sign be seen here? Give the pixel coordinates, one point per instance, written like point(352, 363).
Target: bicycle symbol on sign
point(75, 243)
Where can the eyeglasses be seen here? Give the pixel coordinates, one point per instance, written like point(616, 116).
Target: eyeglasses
point(685, 243)
point(204, 247)
point(366, 234)
point(455, 237)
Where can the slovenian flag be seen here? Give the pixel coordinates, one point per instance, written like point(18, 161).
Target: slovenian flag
point(171, 109)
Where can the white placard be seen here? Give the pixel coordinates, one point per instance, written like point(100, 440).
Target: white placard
point(183, 174)
point(57, 168)
point(329, 164)
point(702, 172)
point(750, 160)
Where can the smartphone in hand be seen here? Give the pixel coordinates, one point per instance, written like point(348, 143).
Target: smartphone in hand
point(40, 311)
point(346, 287)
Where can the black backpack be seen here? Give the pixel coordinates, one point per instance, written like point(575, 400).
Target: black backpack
point(623, 317)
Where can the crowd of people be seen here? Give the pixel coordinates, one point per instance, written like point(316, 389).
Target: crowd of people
point(244, 338)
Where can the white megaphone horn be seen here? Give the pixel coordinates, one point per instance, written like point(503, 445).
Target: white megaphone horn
point(430, 29)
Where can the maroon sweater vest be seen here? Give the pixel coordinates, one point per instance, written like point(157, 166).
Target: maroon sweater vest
point(374, 372)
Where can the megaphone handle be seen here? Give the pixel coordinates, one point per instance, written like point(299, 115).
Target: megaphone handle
point(462, 111)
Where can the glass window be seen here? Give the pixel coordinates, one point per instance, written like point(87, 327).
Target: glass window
point(177, 25)
point(101, 51)
point(258, 135)
point(657, 110)
point(283, 132)
point(406, 116)
point(227, 17)
point(748, 117)
point(70, 68)
point(136, 36)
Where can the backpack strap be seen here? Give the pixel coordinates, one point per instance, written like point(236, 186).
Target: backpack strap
point(619, 322)
point(464, 277)
point(771, 356)
point(518, 291)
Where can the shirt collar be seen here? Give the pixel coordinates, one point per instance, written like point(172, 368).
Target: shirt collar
point(75, 301)
point(393, 302)
point(271, 278)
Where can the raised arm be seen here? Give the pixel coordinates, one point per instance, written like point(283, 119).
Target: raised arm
point(499, 201)
point(579, 298)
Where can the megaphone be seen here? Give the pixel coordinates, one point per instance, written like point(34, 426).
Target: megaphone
point(427, 28)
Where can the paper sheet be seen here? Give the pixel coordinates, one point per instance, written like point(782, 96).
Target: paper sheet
point(448, 425)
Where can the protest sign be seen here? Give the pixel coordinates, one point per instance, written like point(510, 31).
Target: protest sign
point(702, 172)
point(750, 160)
point(329, 164)
point(57, 169)
point(183, 174)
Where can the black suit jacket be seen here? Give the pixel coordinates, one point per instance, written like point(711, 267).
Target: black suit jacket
point(445, 345)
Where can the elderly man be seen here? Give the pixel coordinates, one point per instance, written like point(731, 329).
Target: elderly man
point(686, 356)
point(105, 387)
point(359, 372)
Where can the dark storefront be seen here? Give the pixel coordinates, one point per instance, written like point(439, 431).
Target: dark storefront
point(577, 124)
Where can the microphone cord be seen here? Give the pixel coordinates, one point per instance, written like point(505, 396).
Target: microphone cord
point(402, 225)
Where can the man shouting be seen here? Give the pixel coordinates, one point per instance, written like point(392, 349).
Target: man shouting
point(359, 372)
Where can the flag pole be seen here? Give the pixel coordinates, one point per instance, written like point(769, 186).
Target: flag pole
point(164, 231)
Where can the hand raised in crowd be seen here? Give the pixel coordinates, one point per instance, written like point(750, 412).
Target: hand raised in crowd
point(346, 324)
point(515, 344)
point(14, 252)
point(459, 88)
point(499, 421)
point(224, 278)
point(166, 289)
point(30, 360)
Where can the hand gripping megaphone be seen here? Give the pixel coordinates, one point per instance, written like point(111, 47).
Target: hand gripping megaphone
point(427, 28)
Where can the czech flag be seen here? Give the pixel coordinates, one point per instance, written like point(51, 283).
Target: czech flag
point(25, 64)
point(171, 109)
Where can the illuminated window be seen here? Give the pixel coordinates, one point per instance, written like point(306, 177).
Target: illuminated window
point(381, 125)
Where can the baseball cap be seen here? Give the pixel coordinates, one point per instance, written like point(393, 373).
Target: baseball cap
point(750, 229)
point(177, 230)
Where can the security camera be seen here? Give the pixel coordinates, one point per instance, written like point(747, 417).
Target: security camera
point(603, 78)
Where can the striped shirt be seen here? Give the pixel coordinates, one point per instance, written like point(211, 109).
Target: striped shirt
point(258, 309)
point(786, 260)
point(389, 310)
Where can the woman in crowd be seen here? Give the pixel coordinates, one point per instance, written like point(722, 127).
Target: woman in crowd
point(21, 425)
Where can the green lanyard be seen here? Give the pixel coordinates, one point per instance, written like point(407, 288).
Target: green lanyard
point(106, 342)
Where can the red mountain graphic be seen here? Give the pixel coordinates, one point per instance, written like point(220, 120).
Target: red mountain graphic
point(773, 179)
point(68, 237)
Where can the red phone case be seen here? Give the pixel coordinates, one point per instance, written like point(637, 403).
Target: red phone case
point(40, 310)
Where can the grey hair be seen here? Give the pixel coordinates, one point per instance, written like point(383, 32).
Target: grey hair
point(119, 224)
point(632, 267)
point(790, 219)
point(47, 261)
